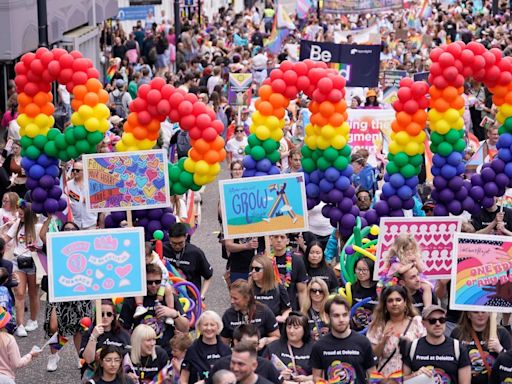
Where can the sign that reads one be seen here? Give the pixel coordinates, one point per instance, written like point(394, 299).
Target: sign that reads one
point(265, 205)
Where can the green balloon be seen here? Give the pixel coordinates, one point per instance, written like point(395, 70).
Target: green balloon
point(39, 141)
point(32, 152)
point(72, 152)
point(51, 149)
point(53, 133)
point(308, 165)
point(186, 179)
point(341, 163)
point(174, 173)
point(158, 235)
point(195, 187)
point(95, 137)
point(178, 189)
point(502, 130)
point(253, 140)
point(444, 149)
point(416, 160)
point(323, 164)
point(401, 159)
point(391, 168)
point(508, 123)
point(345, 151)
point(306, 152)
point(436, 138)
point(60, 142)
point(25, 142)
point(269, 145)
point(258, 153)
point(452, 136)
point(408, 171)
point(23, 152)
point(80, 132)
point(274, 157)
point(331, 154)
point(63, 155)
point(82, 146)
point(247, 150)
point(68, 134)
point(460, 145)
point(417, 170)
point(316, 154)
point(181, 163)
point(433, 147)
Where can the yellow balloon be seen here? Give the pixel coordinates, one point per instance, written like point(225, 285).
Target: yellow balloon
point(310, 142)
point(434, 115)
point(92, 124)
point(257, 118)
point(411, 148)
point(101, 111)
point(42, 120)
point(328, 132)
point(23, 120)
point(451, 115)
point(309, 130)
point(32, 130)
point(272, 122)
point(500, 117)
point(85, 111)
point(262, 132)
point(276, 134)
point(394, 147)
point(120, 146)
point(52, 121)
point(338, 141)
point(214, 169)
point(189, 165)
point(146, 144)
point(420, 138)
point(129, 140)
point(459, 124)
point(322, 143)
point(442, 127)
point(202, 167)
point(506, 110)
point(345, 128)
point(402, 138)
point(200, 179)
point(76, 119)
point(104, 126)
point(252, 128)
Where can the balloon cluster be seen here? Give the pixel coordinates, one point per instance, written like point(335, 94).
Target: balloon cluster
point(451, 64)
point(405, 149)
point(154, 103)
point(41, 144)
point(150, 219)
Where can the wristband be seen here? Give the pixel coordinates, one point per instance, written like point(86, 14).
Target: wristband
point(93, 338)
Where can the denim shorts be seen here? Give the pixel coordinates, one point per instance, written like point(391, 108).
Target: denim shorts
point(27, 271)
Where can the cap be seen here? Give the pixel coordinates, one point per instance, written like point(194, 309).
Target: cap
point(119, 83)
point(245, 110)
point(429, 204)
point(115, 120)
point(5, 317)
point(431, 309)
point(371, 93)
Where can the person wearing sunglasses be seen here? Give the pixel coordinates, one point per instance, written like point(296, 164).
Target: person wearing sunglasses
point(364, 200)
point(235, 147)
point(157, 312)
point(267, 290)
point(314, 307)
point(393, 317)
point(109, 332)
point(435, 355)
point(110, 367)
point(76, 192)
point(473, 331)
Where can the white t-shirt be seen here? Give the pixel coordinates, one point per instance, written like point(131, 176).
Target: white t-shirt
point(64, 94)
point(20, 244)
point(318, 223)
point(236, 148)
point(82, 217)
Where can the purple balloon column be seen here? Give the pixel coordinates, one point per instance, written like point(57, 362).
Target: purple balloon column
point(150, 219)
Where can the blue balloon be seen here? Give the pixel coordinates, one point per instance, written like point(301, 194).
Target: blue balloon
point(438, 160)
point(386, 177)
point(448, 171)
point(312, 190)
point(52, 171)
point(454, 158)
point(348, 171)
point(342, 183)
point(26, 163)
point(46, 161)
point(316, 176)
point(396, 180)
point(36, 171)
point(264, 165)
point(412, 181)
point(388, 190)
point(249, 172)
point(508, 170)
point(332, 174)
point(258, 173)
point(461, 168)
point(504, 141)
point(326, 186)
point(249, 162)
point(274, 170)
point(404, 192)
point(435, 171)
point(306, 178)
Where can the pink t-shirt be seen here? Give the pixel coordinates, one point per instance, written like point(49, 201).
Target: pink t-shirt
point(10, 357)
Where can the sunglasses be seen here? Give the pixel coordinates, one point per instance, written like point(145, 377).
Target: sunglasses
point(363, 198)
point(153, 282)
point(75, 170)
point(107, 314)
point(257, 269)
point(237, 131)
point(316, 291)
point(434, 320)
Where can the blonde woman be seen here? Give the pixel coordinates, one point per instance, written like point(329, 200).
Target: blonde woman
point(314, 307)
point(267, 290)
point(147, 358)
point(8, 215)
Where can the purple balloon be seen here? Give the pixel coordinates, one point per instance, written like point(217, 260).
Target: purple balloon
point(154, 225)
point(487, 202)
point(456, 183)
point(396, 213)
point(440, 210)
point(371, 216)
point(143, 222)
point(505, 154)
point(47, 181)
point(326, 209)
point(438, 160)
point(312, 190)
point(381, 208)
point(404, 192)
point(110, 222)
point(274, 170)
point(501, 180)
point(348, 221)
point(454, 158)
point(31, 183)
point(346, 204)
point(350, 192)
point(118, 216)
point(461, 194)
point(311, 203)
point(27, 163)
point(264, 165)
point(412, 182)
point(491, 189)
point(355, 211)
point(167, 220)
point(37, 207)
point(498, 165)
point(446, 196)
point(348, 171)
point(394, 203)
point(468, 204)
point(455, 207)
point(316, 176)
point(477, 193)
point(51, 206)
point(258, 173)
point(55, 192)
point(62, 204)
point(139, 214)
point(155, 214)
point(488, 175)
point(335, 214)
point(335, 195)
point(476, 179)
point(39, 195)
point(388, 190)
point(440, 182)
point(408, 204)
point(448, 171)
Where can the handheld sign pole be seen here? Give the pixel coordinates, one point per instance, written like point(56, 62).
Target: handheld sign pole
point(493, 329)
point(98, 311)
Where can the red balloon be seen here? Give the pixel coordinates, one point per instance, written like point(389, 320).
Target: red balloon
point(143, 91)
point(153, 97)
point(31, 89)
point(138, 105)
point(286, 66)
point(58, 52)
point(303, 83)
point(505, 78)
point(76, 54)
point(290, 77)
point(81, 64)
point(325, 85)
point(174, 115)
point(33, 77)
point(27, 58)
point(276, 74)
point(152, 110)
point(467, 72)
point(477, 48)
point(190, 97)
point(47, 58)
point(455, 50)
point(166, 91)
point(479, 75)
point(144, 117)
point(210, 112)
point(187, 122)
point(20, 81)
point(318, 96)
point(209, 134)
point(65, 75)
point(315, 75)
point(418, 89)
point(301, 68)
point(478, 63)
point(446, 59)
point(47, 77)
point(489, 58)
point(278, 86)
point(79, 78)
point(404, 94)
point(410, 107)
point(458, 66)
point(163, 107)
point(20, 68)
point(467, 56)
point(505, 64)
point(218, 126)
point(493, 73)
point(195, 133)
point(93, 73)
point(185, 108)
point(37, 67)
point(423, 103)
point(157, 83)
point(40, 51)
point(291, 92)
point(175, 100)
point(335, 95)
point(450, 74)
point(198, 109)
point(66, 61)
point(398, 106)
point(309, 63)
point(439, 82)
point(435, 53)
point(310, 90)
point(203, 121)
point(406, 82)
point(338, 82)
point(54, 68)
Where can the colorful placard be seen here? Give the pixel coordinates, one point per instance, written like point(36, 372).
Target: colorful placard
point(240, 92)
point(126, 181)
point(265, 205)
point(481, 273)
point(97, 264)
point(434, 236)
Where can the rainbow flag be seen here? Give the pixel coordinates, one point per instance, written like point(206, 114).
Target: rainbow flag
point(282, 26)
point(57, 341)
point(111, 71)
point(303, 7)
point(161, 377)
point(426, 10)
point(377, 377)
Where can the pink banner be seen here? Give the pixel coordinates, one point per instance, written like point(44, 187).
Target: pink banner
point(434, 236)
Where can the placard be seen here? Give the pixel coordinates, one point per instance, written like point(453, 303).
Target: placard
point(96, 264)
point(481, 273)
point(434, 236)
point(360, 6)
point(239, 92)
point(266, 205)
point(126, 181)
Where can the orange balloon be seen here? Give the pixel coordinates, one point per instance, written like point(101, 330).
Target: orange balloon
point(414, 129)
point(265, 92)
point(40, 99)
point(195, 155)
point(458, 103)
point(277, 100)
point(153, 126)
point(420, 117)
point(91, 99)
point(103, 96)
point(153, 136)
point(336, 119)
point(450, 93)
point(345, 116)
point(279, 113)
point(327, 109)
point(211, 157)
point(499, 90)
point(79, 92)
point(222, 154)
point(127, 127)
point(403, 118)
point(396, 127)
point(140, 133)
point(499, 101)
point(48, 109)
point(265, 108)
point(93, 85)
point(75, 104)
point(217, 144)
point(313, 107)
point(321, 120)
point(201, 145)
point(24, 99)
point(435, 93)
point(340, 106)
point(132, 119)
point(508, 98)
point(32, 110)
point(440, 104)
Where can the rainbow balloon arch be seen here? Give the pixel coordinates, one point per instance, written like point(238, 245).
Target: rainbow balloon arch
point(326, 154)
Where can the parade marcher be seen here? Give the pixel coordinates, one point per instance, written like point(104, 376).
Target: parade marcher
point(314, 307)
point(316, 266)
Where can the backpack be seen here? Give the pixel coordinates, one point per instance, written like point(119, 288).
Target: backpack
point(456, 349)
point(7, 303)
point(183, 144)
point(152, 54)
point(120, 110)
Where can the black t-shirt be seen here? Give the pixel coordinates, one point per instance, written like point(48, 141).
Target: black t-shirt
point(148, 367)
point(301, 355)
point(201, 357)
point(276, 299)
point(263, 318)
point(502, 369)
point(191, 261)
point(120, 339)
point(265, 369)
point(262, 380)
point(452, 315)
point(164, 332)
point(316, 324)
point(363, 314)
point(119, 51)
point(417, 300)
point(346, 359)
point(240, 262)
point(326, 274)
point(483, 218)
point(117, 380)
point(441, 357)
point(298, 275)
point(478, 369)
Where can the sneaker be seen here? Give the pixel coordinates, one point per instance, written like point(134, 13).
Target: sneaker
point(139, 311)
point(53, 360)
point(21, 331)
point(31, 325)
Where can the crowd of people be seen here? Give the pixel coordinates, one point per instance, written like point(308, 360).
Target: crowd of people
point(285, 322)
